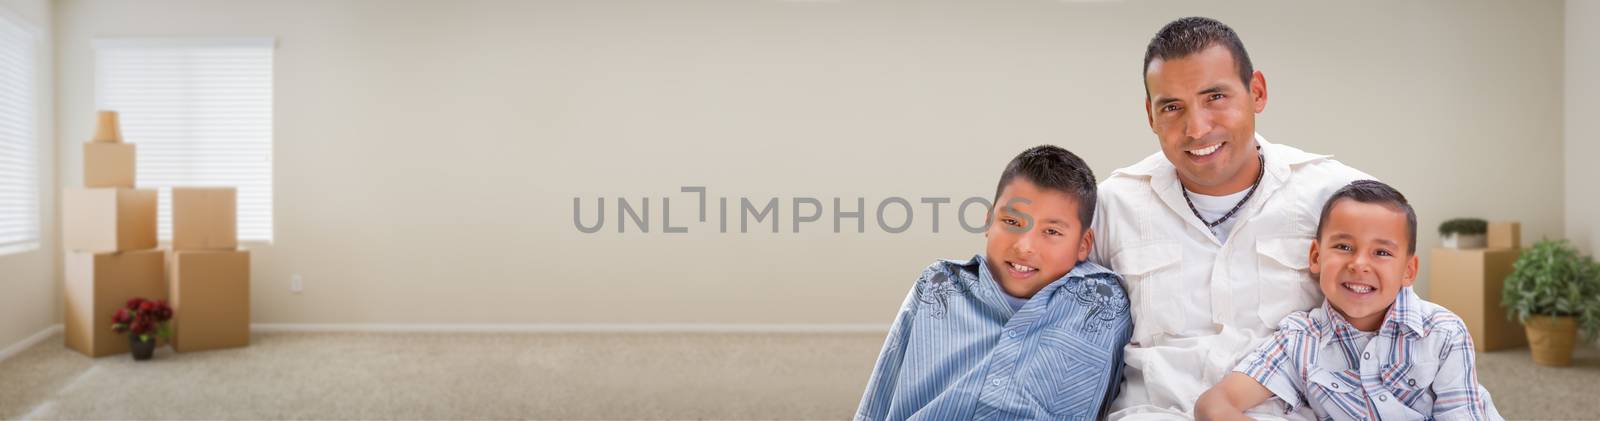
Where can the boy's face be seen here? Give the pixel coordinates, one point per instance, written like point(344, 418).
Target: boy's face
point(1034, 237)
point(1361, 261)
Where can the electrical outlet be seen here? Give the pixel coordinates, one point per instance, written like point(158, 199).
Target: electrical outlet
point(296, 284)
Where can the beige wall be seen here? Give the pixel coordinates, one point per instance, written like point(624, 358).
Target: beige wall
point(27, 279)
point(1582, 142)
point(428, 152)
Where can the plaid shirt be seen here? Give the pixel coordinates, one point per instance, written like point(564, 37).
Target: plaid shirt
point(1418, 365)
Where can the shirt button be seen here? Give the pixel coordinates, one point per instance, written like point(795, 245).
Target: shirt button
point(1411, 382)
point(1366, 355)
point(1011, 334)
point(1382, 398)
point(997, 382)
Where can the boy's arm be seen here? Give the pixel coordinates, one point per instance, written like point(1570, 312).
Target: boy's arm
point(1230, 398)
point(1114, 387)
point(1457, 395)
point(886, 373)
point(1268, 371)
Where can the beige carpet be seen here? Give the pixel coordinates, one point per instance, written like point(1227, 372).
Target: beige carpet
point(550, 376)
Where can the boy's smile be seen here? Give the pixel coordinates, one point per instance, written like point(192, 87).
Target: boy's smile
point(1035, 237)
point(1362, 260)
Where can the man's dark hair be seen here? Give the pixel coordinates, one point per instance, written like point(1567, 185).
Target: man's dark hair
point(1053, 168)
point(1373, 191)
point(1190, 35)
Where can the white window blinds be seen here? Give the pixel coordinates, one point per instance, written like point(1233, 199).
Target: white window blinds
point(201, 114)
point(19, 139)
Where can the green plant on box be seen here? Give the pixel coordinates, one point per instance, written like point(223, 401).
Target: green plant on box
point(1464, 226)
point(1552, 279)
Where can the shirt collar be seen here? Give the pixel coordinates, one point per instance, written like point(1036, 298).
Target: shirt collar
point(995, 296)
point(1402, 318)
point(1403, 315)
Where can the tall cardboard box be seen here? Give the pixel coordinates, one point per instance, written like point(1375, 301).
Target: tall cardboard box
point(1469, 283)
point(108, 164)
point(204, 218)
point(101, 220)
point(210, 299)
point(97, 284)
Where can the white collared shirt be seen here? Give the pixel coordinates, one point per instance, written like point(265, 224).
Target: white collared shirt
point(1200, 304)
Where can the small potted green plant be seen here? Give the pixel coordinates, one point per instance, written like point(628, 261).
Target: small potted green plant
point(1464, 233)
point(1554, 292)
point(144, 321)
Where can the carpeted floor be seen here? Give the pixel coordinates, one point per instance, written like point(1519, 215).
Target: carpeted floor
point(563, 376)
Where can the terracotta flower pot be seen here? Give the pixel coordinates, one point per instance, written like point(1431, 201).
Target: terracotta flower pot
point(1551, 339)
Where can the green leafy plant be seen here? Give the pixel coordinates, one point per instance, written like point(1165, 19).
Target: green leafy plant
point(1464, 226)
point(1552, 279)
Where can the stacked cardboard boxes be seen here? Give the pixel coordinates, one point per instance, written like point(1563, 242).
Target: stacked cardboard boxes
point(1469, 283)
point(210, 275)
point(109, 233)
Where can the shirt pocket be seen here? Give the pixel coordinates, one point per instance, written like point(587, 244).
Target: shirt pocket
point(1284, 284)
point(1329, 392)
point(1148, 271)
point(1412, 385)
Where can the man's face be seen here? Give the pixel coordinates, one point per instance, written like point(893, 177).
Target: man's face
point(1034, 237)
point(1206, 119)
point(1361, 261)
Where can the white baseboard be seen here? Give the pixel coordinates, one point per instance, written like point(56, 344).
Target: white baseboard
point(570, 328)
point(18, 347)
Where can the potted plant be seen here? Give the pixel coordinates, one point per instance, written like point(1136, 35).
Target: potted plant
point(1554, 292)
point(144, 321)
point(1464, 233)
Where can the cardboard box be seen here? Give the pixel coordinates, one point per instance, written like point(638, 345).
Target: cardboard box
point(1505, 235)
point(97, 284)
point(204, 218)
point(210, 299)
point(1469, 283)
point(108, 165)
point(105, 219)
point(107, 129)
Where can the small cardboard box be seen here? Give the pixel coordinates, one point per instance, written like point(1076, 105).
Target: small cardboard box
point(107, 128)
point(108, 164)
point(97, 284)
point(1505, 235)
point(105, 219)
point(210, 299)
point(1469, 283)
point(204, 218)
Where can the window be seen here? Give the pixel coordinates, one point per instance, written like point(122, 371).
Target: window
point(201, 113)
point(19, 138)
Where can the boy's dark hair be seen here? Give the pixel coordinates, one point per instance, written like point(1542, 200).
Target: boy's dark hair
point(1053, 168)
point(1373, 191)
point(1185, 36)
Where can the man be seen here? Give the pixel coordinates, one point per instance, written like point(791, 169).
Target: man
point(1211, 234)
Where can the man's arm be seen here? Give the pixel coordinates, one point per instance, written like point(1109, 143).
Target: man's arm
point(1230, 398)
point(1097, 253)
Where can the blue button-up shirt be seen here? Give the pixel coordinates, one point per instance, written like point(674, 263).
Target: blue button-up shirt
point(1418, 365)
point(958, 350)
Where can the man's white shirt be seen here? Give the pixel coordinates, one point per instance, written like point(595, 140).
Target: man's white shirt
point(1200, 303)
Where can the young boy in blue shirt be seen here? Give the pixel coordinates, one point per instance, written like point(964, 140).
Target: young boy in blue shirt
point(1028, 330)
point(1374, 350)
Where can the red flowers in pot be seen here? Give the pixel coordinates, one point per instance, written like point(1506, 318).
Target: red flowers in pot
point(144, 320)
